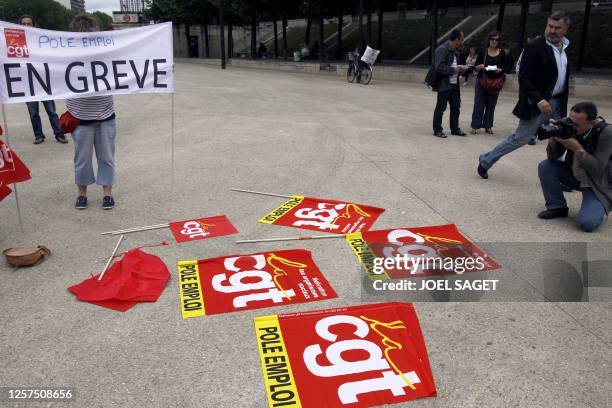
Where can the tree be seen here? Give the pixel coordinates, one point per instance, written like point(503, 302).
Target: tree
point(105, 21)
point(49, 14)
point(546, 6)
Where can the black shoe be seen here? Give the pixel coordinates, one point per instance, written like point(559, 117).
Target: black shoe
point(532, 142)
point(81, 203)
point(440, 134)
point(458, 132)
point(482, 172)
point(554, 213)
point(39, 140)
point(61, 139)
point(108, 202)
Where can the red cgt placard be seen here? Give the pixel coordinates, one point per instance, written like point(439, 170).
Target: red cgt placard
point(245, 282)
point(358, 356)
point(202, 228)
point(431, 250)
point(324, 215)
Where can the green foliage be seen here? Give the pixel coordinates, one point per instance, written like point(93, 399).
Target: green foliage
point(48, 14)
point(598, 53)
point(104, 20)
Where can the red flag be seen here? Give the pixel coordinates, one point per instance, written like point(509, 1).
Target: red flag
point(318, 214)
point(359, 356)
point(4, 191)
point(137, 277)
point(202, 228)
point(12, 169)
point(251, 281)
point(430, 250)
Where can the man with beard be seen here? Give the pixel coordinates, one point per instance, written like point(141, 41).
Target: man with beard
point(543, 89)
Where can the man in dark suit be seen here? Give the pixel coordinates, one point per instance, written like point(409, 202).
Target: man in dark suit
point(543, 89)
point(447, 84)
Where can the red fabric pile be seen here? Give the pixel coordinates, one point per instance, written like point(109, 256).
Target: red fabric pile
point(137, 277)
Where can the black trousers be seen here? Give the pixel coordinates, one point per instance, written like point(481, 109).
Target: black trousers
point(452, 98)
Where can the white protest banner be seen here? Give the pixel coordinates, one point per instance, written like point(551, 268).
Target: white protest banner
point(42, 64)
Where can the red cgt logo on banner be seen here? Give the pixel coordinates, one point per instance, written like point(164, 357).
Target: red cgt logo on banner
point(202, 228)
point(16, 43)
point(431, 250)
point(359, 356)
point(324, 215)
point(245, 282)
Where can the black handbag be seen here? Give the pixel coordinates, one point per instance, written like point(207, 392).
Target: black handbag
point(431, 79)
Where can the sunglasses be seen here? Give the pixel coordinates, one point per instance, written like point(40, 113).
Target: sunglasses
point(494, 39)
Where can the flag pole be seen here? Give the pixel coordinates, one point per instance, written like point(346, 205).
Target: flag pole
point(260, 193)
point(111, 257)
point(8, 143)
point(172, 141)
point(136, 229)
point(251, 241)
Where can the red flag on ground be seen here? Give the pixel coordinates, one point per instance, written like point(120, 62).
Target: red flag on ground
point(324, 215)
point(202, 228)
point(12, 170)
point(424, 251)
point(251, 281)
point(359, 356)
point(137, 277)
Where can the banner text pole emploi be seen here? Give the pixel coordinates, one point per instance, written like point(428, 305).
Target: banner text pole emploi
point(8, 143)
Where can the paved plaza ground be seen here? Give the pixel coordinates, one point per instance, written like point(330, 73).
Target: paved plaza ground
point(286, 133)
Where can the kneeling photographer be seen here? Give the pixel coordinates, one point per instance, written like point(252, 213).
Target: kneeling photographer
point(587, 140)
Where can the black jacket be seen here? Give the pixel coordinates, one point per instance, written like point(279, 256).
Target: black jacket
point(443, 59)
point(537, 78)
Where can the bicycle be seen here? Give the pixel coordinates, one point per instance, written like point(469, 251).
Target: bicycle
point(358, 69)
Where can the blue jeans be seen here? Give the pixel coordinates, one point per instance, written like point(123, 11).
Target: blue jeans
point(101, 136)
point(484, 108)
point(523, 134)
point(33, 109)
point(552, 174)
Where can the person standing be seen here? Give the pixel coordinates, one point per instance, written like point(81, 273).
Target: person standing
point(470, 62)
point(447, 84)
point(97, 130)
point(543, 89)
point(33, 107)
point(493, 57)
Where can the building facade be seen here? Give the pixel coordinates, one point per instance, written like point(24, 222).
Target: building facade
point(76, 5)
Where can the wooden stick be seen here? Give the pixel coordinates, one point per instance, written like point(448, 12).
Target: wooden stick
point(260, 193)
point(8, 143)
point(250, 241)
point(135, 229)
point(111, 257)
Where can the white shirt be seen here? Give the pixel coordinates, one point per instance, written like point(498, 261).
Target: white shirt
point(454, 77)
point(561, 58)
